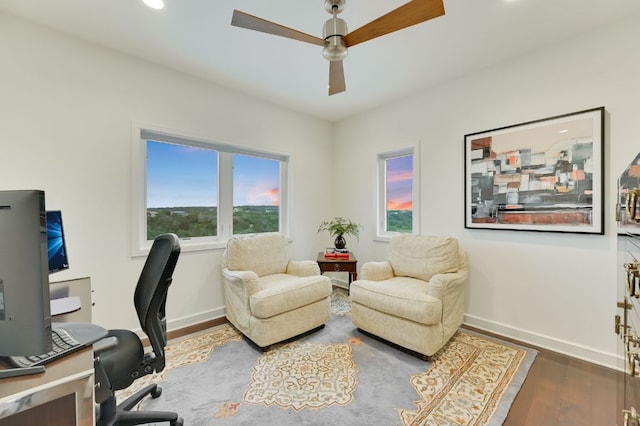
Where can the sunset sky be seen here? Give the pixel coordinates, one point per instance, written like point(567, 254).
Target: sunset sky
point(399, 183)
point(181, 176)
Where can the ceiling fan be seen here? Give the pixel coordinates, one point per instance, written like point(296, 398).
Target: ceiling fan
point(336, 39)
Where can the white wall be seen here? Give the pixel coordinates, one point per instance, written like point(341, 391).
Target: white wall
point(66, 110)
point(554, 290)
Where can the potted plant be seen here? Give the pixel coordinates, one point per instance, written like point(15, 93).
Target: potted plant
point(338, 227)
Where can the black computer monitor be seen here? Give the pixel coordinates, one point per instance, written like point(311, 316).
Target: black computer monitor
point(25, 310)
point(56, 244)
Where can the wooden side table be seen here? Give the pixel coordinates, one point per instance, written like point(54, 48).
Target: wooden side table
point(339, 264)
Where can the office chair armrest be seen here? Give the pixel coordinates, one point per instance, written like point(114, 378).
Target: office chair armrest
point(103, 389)
point(104, 344)
point(303, 268)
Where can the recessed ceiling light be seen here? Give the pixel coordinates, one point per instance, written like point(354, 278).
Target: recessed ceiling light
point(564, 130)
point(154, 4)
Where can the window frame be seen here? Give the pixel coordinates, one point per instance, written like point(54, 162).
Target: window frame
point(142, 133)
point(381, 220)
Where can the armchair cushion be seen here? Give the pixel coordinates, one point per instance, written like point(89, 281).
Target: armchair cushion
point(264, 254)
point(284, 293)
point(408, 254)
point(402, 297)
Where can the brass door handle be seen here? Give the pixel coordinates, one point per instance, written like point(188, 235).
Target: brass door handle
point(630, 417)
point(633, 210)
point(633, 278)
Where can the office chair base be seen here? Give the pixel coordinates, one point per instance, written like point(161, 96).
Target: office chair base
point(111, 414)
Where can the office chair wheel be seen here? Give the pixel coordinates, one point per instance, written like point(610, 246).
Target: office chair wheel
point(156, 392)
point(178, 422)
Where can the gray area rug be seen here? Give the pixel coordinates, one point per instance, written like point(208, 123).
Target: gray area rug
point(338, 376)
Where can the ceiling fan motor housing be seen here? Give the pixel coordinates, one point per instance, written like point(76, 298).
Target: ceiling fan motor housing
point(334, 27)
point(336, 49)
point(333, 31)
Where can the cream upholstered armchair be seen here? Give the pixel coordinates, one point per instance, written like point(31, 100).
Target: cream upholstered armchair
point(268, 296)
point(416, 298)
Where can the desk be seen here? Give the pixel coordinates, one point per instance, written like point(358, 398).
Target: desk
point(339, 264)
point(63, 394)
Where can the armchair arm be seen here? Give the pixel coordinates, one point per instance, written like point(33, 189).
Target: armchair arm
point(376, 271)
point(243, 281)
point(303, 268)
point(449, 287)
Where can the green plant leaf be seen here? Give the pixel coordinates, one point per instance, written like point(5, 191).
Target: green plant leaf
point(340, 226)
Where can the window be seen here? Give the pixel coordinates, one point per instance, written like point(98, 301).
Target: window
point(398, 189)
point(203, 191)
point(256, 194)
point(182, 190)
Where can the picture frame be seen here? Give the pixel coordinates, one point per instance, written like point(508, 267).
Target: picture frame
point(542, 175)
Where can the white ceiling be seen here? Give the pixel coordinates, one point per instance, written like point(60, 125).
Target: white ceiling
point(195, 37)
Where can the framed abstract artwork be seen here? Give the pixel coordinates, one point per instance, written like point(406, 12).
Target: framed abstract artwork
point(542, 175)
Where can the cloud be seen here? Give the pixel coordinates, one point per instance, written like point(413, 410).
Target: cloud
point(399, 176)
point(399, 205)
point(273, 195)
point(258, 196)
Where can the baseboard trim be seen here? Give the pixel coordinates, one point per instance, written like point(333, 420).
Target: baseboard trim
point(178, 327)
point(204, 320)
point(195, 328)
point(190, 324)
point(610, 360)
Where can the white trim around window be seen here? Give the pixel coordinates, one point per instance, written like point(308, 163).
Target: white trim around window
point(382, 234)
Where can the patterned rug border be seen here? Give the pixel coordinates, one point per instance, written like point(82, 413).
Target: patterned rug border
point(477, 406)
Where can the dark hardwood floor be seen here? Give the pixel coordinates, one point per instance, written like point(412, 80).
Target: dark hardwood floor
point(564, 391)
point(560, 390)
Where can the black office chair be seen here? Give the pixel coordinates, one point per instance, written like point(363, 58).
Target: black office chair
point(120, 358)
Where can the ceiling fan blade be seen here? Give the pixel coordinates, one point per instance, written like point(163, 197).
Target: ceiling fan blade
point(336, 78)
point(412, 13)
point(245, 20)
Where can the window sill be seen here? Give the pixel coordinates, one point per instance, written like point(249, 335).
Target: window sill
point(186, 246)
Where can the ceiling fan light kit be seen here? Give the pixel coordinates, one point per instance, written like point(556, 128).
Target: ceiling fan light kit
point(335, 50)
point(336, 38)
